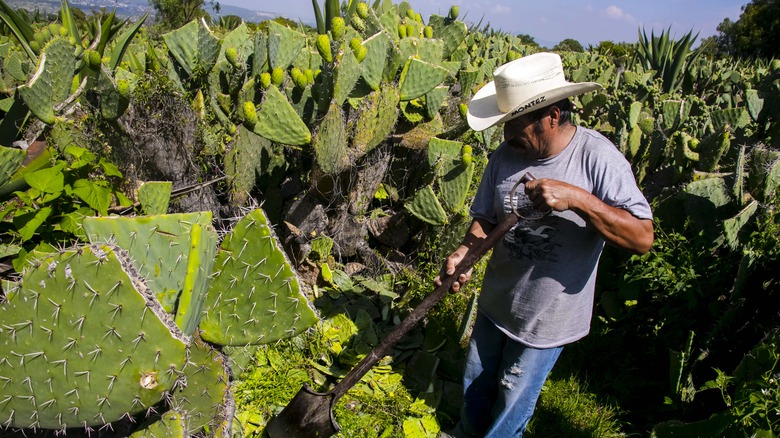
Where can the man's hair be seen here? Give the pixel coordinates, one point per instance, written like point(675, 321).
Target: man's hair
point(564, 105)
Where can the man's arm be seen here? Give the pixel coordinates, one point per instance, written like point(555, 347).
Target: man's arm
point(618, 227)
point(477, 232)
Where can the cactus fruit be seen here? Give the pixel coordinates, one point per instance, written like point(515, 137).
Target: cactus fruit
point(323, 47)
point(255, 296)
point(123, 88)
point(231, 54)
point(92, 58)
point(454, 12)
point(402, 32)
point(465, 155)
point(265, 80)
point(338, 28)
point(250, 113)
point(358, 23)
point(277, 76)
point(428, 32)
point(355, 43)
point(83, 343)
point(463, 110)
point(362, 10)
point(299, 79)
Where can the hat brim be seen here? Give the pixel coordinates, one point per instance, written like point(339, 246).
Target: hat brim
point(483, 109)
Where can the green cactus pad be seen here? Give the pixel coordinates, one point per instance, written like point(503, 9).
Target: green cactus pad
point(278, 121)
point(732, 226)
point(451, 32)
point(330, 143)
point(674, 113)
point(84, 343)
point(426, 207)
point(733, 117)
point(154, 196)
point(434, 100)
point(172, 424)
point(194, 47)
point(374, 63)
point(52, 80)
point(284, 44)
point(419, 77)
point(10, 161)
point(378, 116)
point(243, 162)
point(173, 252)
point(347, 73)
point(255, 296)
point(205, 398)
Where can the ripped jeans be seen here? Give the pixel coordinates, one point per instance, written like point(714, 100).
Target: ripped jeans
point(502, 382)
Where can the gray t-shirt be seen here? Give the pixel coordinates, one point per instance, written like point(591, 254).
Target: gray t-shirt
point(539, 283)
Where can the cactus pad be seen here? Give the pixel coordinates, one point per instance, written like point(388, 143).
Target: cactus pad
point(278, 121)
point(426, 207)
point(255, 296)
point(173, 252)
point(419, 77)
point(330, 143)
point(10, 160)
point(84, 343)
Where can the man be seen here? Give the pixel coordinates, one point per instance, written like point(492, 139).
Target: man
point(537, 293)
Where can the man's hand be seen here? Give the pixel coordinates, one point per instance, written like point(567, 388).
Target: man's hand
point(449, 268)
point(549, 194)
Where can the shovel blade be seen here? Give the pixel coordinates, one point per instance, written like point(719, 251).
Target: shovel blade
point(308, 415)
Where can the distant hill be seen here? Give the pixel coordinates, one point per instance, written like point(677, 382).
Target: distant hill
point(133, 8)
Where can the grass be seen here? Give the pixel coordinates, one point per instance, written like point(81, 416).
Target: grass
point(567, 409)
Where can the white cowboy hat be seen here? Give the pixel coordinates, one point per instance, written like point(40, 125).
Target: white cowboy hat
point(521, 86)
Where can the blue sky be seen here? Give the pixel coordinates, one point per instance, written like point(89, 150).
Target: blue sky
point(550, 21)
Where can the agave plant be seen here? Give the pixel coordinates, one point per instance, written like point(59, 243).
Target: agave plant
point(669, 58)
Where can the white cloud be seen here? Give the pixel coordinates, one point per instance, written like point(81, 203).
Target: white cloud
point(500, 9)
point(615, 12)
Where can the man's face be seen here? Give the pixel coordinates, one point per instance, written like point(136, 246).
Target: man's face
point(525, 134)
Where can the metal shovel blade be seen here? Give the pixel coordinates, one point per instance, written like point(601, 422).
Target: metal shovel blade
point(308, 415)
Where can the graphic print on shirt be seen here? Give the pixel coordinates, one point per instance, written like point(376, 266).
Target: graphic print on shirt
point(531, 240)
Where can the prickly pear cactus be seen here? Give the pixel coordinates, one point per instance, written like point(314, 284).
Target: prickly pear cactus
point(173, 252)
point(10, 160)
point(83, 342)
point(255, 296)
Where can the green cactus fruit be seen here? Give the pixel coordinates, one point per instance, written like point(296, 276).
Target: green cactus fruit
point(250, 114)
point(199, 104)
point(255, 296)
point(338, 28)
point(54, 29)
point(358, 23)
point(277, 76)
point(299, 79)
point(362, 10)
point(265, 80)
point(35, 46)
point(309, 73)
point(354, 43)
point(361, 53)
point(402, 31)
point(64, 33)
point(323, 47)
point(428, 32)
point(454, 12)
point(411, 29)
point(45, 35)
point(123, 88)
point(231, 54)
point(466, 156)
point(83, 343)
point(463, 109)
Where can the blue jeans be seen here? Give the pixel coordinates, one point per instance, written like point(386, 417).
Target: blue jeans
point(502, 382)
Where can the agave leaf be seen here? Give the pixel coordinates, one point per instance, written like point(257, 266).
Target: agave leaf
point(123, 42)
point(20, 28)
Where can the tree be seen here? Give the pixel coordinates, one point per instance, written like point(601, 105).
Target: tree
point(176, 13)
point(755, 34)
point(528, 40)
point(569, 45)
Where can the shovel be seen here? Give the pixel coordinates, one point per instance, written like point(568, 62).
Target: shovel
point(310, 413)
